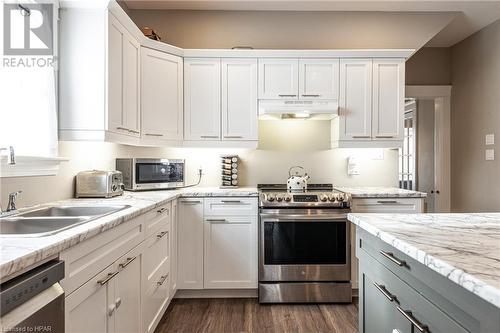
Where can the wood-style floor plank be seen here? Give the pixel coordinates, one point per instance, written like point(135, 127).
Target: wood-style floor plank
point(246, 315)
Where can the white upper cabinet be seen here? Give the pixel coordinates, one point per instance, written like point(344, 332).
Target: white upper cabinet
point(355, 100)
point(131, 65)
point(202, 99)
point(388, 99)
point(319, 78)
point(239, 99)
point(278, 78)
point(161, 96)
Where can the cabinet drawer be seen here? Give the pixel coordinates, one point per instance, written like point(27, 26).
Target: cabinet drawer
point(409, 305)
point(85, 260)
point(156, 252)
point(157, 219)
point(387, 205)
point(230, 206)
point(155, 298)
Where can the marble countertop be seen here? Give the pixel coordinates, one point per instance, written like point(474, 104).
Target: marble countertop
point(465, 248)
point(380, 192)
point(19, 253)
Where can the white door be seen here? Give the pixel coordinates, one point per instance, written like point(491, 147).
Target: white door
point(230, 252)
point(190, 244)
point(131, 65)
point(161, 95)
point(388, 99)
point(202, 109)
point(355, 100)
point(319, 78)
point(115, 77)
point(239, 99)
point(173, 248)
point(278, 78)
point(90, 308)
point(127, 295)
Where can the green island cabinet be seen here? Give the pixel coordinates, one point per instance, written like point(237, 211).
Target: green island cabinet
point(397, 294)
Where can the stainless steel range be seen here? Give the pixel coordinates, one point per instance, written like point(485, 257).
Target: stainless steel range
point(304, 245)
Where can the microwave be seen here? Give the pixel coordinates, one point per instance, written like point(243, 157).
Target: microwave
point(151, 173)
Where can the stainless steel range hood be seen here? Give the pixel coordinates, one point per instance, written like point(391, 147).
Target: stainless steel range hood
point(298, 109)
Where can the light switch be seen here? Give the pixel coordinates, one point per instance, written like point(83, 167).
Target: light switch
point(489, 139)
point(490, 154)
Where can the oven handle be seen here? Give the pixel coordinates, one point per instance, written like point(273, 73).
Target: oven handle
point(296, 218)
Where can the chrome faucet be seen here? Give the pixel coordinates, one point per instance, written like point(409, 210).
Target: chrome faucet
point(12, 155)
point(11, 205)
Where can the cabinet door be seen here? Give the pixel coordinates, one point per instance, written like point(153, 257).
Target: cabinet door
point(278, 78)
point(131, 116)
point(202, 107)
point(239, 99)
point(230, 252)
point(115, 77)
point(190, 246)
point(173, 249)
point(388, 99)
point(127, 294)
point(319, 79)
point(89, 309)
point(355, 100)
point(161, 95)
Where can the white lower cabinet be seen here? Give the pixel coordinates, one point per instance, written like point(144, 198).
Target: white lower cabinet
point(230, 252)
point(174, 243)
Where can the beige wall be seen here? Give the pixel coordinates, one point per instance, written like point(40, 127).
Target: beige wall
point(475, 183)
point(308, 147)
point(429, 66)
point(425, 150)
point(292, 30)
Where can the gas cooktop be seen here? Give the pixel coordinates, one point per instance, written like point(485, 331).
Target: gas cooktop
point(317, 195)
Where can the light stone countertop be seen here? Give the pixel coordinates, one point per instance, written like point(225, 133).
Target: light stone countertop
point(465, 248)
point(380, 192)
point(19, 253)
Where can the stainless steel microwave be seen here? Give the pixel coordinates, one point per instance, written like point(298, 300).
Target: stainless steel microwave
point(151, 173)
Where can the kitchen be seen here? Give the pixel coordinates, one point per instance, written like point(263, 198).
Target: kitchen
point(253, 174)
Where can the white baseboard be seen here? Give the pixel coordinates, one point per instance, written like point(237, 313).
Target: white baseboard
point(216, 293)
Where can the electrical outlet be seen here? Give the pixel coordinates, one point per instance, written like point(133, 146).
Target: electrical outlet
point(490, 154)
point(489, 139)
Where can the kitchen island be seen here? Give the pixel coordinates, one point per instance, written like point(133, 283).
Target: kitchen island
point(428, 272)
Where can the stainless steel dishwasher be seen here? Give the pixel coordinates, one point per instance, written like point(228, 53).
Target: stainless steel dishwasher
point(34, 301)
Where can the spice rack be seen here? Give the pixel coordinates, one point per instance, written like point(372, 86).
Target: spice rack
point(229, 171)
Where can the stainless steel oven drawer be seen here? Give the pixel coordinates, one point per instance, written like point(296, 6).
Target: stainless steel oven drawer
point(305, 292)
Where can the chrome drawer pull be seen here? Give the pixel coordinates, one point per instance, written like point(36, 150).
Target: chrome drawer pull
point(107, 278)
point(153, 134)
point(126, 263)
point(284, 95)
point(162, 280)
point(191, 202)
point(360, 136)
point(391, 257)
point(123, 129)
point(387, 202)
point(209, 136)
point(384, 291)
point(232, 136)
point(310, 95)
point(408, 315)
point(161, 210)
point(231, 201)
point(161, 234)
point(134, 131)
point(384, 136)
point(215, 220)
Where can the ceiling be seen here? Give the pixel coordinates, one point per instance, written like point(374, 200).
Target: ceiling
point(470, 16)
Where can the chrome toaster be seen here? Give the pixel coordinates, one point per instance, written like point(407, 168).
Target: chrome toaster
point(98, 184)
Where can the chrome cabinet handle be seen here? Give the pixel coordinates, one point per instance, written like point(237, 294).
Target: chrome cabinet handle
point(134, 131)
point(215, 220)
point(161, 234)
point(231, 201)
point(118, 302)
point(191, 202)
point(384, 136)
point(285, 95)
point(122, 128)
point(309, 95)
point(384, 291)
point(387, 202)
point(153, 134)
point(161, 210)
point(360, 136)
point(107, 278)
point(209, 136)
point(162, 280)
point(391, 257)
point(408, 315)
point(232, 136)
point(111, 309)
point(127, 262)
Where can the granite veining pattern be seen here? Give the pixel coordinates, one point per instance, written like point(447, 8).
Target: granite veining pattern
point(18, 253)
point(465, 248)
point(380, 192)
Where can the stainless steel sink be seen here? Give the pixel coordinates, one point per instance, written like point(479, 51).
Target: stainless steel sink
point(51, 220)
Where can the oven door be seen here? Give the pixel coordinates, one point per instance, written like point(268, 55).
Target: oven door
point(304, 245)
point(158, 173)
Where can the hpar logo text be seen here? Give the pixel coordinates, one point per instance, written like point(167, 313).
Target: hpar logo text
point(28, 29)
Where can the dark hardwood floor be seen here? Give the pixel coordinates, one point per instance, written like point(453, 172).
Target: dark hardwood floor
point(230, 315)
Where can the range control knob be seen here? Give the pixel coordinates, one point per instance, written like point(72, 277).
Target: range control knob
point(279, 198)
point(114, 187)
point(331, 197)
point(341, 197)
point(288, 198)
point(323, 197)
point(270, 197)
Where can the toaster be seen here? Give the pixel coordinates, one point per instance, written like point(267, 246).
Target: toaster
point(99, 184)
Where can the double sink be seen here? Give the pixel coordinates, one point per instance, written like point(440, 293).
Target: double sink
point(46, 221)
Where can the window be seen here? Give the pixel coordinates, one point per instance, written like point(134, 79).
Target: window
point(407, 173)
